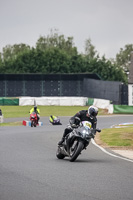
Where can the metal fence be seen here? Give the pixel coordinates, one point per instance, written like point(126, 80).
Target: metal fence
point(12, 85)
point(114, 91)
point(86, 85)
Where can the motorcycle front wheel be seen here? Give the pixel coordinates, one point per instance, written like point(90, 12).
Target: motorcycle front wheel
point(76, 150)
point(32, 123)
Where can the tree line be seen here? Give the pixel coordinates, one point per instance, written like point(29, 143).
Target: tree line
point(56, 53)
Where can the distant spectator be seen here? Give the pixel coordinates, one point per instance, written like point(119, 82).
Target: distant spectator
point(0, 112)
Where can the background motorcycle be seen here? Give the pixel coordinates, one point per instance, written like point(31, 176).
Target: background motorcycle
point(33, 119)
point(54, 120)
point(76, 141)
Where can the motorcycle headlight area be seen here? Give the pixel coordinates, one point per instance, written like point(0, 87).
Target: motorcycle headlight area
point(87, 134)
point(83, 134)
point(80, 134)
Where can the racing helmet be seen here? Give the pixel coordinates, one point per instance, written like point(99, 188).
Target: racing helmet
point(92, 111)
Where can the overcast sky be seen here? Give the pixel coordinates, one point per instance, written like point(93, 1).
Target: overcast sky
point(108, 23)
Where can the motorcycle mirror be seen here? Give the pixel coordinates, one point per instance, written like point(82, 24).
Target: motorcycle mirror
point(98, 130)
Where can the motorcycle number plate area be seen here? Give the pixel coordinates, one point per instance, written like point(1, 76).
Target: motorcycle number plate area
point(87, 124)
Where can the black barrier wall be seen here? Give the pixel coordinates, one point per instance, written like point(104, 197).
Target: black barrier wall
point(12, 85)
point(86, 85)
point(110, 90)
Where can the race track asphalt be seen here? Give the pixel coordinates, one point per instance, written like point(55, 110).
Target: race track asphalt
point(29, 169)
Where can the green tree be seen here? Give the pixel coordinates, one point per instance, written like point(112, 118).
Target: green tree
point(37, 61)
point(123, 58)
point(1, 63)
point(106, 70)
point(56, 61)
point(10, 52)
point(0, 59)
point(54, 40)
point(29, 62)
point(56, 53)
point(90, 50)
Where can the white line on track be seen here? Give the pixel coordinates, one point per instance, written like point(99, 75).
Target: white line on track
point(93, 142)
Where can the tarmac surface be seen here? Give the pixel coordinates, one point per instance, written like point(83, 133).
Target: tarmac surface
point(30, 170)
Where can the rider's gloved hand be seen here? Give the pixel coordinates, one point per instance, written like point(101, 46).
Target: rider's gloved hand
point(74, 126)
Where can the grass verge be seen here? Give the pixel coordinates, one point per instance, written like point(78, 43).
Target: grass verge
point(11, 124)
point(23, 111)
point(116, 137)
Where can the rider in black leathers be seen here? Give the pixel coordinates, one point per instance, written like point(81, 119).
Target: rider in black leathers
point(83, 115)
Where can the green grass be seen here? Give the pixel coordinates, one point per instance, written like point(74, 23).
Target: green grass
point(120, 137)
point(11, 124)
point(23, 111)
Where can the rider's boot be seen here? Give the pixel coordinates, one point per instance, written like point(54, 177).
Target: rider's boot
point(62, 140)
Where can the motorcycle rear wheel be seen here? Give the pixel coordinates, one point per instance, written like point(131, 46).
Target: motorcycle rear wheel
point(77, 150)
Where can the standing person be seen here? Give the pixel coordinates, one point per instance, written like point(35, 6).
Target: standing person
point(0, 112)
point(83, 115)
point(1, 116)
